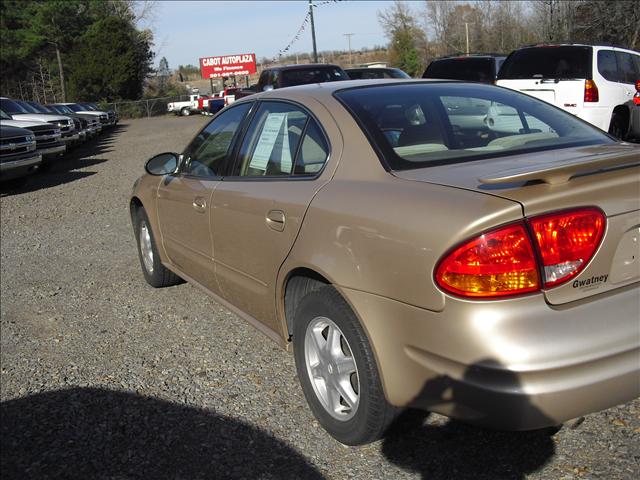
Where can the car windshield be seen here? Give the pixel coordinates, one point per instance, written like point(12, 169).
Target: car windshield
point(4, 116)
point(74, 107)
point(89, 106)
point(423, 124)
point(62, 109)
point(304, 76)
point(549, 61)
point(25, 106)
point(471, 69)
point(40, 108)
point(11, 107)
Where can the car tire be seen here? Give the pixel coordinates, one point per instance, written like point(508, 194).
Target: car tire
point(155, 273)
point(350, 405)
point(185, 112)
point(617, 127)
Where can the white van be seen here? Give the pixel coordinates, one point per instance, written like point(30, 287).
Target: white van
point(594, 82)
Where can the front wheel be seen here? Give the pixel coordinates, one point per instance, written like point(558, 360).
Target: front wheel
point(185, 112)
point(337, 369)
point(155, 273)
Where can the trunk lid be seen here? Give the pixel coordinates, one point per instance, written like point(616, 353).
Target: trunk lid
point(604, 176)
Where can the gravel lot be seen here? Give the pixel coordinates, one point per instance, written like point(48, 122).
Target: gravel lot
point(103, 376)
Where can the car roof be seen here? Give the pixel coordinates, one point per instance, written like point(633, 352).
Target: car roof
point(302, 65)
point(471, 55)
point(575, 44)
point(326, 90)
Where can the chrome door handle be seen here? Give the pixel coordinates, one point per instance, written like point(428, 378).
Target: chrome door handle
point(199, 204)
point(275, 220)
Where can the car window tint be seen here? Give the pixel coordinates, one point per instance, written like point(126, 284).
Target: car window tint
point(607, 65)
point(561, 62)
point(313, 152)
point(416, 125)
point(626, 68)
point(304, 76)
point(271, 141)
point(205, 156)
point(462, 68)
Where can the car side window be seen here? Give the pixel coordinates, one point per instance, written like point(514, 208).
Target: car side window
point(282, 140)
point(205, 156)
point(626, 68)
point(607, 65)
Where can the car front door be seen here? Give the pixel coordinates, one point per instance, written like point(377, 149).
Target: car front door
point(184, 199)
point(258, 210)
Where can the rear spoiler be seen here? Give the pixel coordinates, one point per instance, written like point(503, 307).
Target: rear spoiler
point(561, 172)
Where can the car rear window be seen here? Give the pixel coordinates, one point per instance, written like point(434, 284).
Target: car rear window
point(305, 76)
point(424, 124)
point(557, 62)
point(462, 68)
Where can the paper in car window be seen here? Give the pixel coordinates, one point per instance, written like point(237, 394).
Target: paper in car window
point(274, 133)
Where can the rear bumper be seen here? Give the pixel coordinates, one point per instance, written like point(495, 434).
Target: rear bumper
point(597, 116)
point(515, 364)
point(21, 167)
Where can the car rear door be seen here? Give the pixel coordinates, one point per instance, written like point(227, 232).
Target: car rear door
point(184, 199)
point(281, 164)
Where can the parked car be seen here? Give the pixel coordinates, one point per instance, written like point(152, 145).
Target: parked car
point(18, 155)
point(49, 142)
point(113, 115)
point(593, 82)
point(634, 114)
point(18, 111)
point(103, 117)
point(187, 107)
point(367, 73)
point(70, 137)
point(488, 276)
point(477, 67)
point(291, 75)
point(93, 122)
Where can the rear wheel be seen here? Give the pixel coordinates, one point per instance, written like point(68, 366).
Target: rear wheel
point(617, 127)
point(185, 112)
point(337, 369)
point(156, 274)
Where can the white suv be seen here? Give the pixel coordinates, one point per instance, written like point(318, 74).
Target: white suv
point(594, 82)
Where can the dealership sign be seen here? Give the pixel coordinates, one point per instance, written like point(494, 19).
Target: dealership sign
point(227, 66)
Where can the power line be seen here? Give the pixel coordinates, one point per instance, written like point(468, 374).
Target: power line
point(303, 26)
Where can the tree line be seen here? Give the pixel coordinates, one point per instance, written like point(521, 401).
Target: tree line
point(437, 28)
point(71, 50)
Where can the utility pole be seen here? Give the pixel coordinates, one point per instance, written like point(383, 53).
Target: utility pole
point(313, 33)
point(349, 35)
point(466, 28)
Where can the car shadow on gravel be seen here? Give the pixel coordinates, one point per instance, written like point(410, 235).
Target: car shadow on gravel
point(462, 451)
point(95, 433)
point(64, 169)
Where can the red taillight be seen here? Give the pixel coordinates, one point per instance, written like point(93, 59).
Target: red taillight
point(590, 91)
point(500, 262)
point(636, 99)
point(638, 86)
point(503, 262)
point(566, 242)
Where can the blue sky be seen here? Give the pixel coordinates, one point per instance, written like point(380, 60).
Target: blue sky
point(184, 31)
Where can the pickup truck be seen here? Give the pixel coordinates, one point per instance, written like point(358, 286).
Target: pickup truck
point(194, 104)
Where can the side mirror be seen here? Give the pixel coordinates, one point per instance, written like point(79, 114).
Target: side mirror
point(267, 88)
point(162, 164)
point(637, 85)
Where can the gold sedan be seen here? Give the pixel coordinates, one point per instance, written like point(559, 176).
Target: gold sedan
point(456, 247)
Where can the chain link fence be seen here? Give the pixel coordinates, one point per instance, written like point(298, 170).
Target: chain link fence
point(143, 108)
